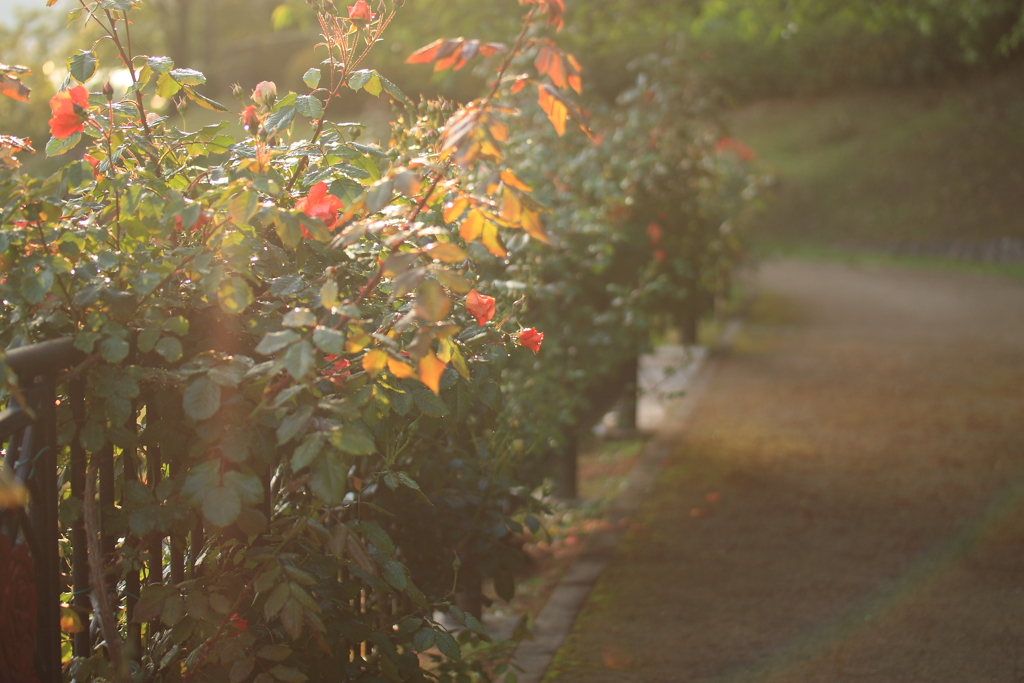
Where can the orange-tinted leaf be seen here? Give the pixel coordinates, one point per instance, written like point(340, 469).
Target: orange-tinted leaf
point(374, 362)
point(512, 180)
point(453, 210)
point(430, 370)
point(472, 226)
point(492, 240)
point(499, 131)
point(511, 208)
point(13, 88)
point(399, 369)
point(427, 53)
point(533, 226)
point(453, 58)
point(491, 49)
point(554, 107)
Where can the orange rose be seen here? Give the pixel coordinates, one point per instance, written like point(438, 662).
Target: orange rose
point(531, 339)
point(70, 111)
point(480, 306)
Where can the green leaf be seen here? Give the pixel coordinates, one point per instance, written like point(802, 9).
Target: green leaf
point(243, 207)
point(143, 520)
point(276, 600)
point(204, 102)
point(114, 349)
point(176, 324)
point(293, 424)
point(248, 486)
point(57, 146)
point(432, 303)
point(393, 90)
point(355, 438)
point(424, 639)
point(307, 451)
point(504, 585)
point(287, 674)
point(170, 348)
point(188, 76)
point(166, 86)
point(92, 437)
point(427, 401)
point(234, 295)
point(279, 121)
point(311, 78)
point(275, 653)
point(160, 65)
point(298, 360)
point(117, 5)
point(221, 506)
point(448, 646)
point(299, 317)
point(275, 341)
point(359, 78)
point(396, 574)
point(329, 341)
point(82, 65)
point(202, 398)
point(310, 106)
point(329, 478)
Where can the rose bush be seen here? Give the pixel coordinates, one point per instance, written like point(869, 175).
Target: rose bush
point(300, 404)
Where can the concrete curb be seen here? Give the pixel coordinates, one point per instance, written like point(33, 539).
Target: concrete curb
point(556, 620)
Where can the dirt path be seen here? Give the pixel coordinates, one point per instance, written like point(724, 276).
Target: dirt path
point(863, 445)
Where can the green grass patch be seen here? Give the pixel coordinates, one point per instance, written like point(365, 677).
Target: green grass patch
point(885, 168)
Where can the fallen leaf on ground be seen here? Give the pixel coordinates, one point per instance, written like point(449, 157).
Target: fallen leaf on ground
point(614, 657)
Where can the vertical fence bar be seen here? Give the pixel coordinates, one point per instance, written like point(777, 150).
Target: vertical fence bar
point(132, 584)
point(43, 515)
point(79, 544)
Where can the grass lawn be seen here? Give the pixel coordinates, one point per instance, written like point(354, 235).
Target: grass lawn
point(885, 168)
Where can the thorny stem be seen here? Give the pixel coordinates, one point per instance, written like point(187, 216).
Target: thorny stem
point(127, 60)
point(346, 69)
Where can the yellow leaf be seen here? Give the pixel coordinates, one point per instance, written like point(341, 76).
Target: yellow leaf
point(374, 362)
point(459, 361)
point(453, 210)
point(511, 208)
point(13, 494)
point(532, 225)
point(445, 349)
point(447, 252)
point(492, 240)
point(399, 369)
point(70, 622)
point(512, 180)
point(472, 226)
point(357, 340)
point(499, 131)
point(431, 368)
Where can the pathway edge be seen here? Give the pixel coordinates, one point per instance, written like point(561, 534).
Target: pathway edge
point(533, 657)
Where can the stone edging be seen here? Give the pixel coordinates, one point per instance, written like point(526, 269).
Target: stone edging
point(555, 621)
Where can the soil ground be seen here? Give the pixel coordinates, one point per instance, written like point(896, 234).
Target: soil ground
point(848, 503)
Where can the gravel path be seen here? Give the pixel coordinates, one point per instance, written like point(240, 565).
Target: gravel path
point(848, 504)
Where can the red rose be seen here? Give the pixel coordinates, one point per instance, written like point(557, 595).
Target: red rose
point(69, 109)
point(238, 622)
point(654, 234)
point(531, 339)
point(360, 14)
point(337, 372)
point(319, 204)
point(250, 119)
point(480, 306)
